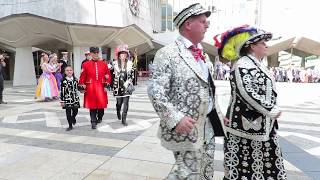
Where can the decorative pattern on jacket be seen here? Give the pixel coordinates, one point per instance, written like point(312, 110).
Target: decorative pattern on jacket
point(178, 88)
point(122, 78)
point(253, 108)
point(69, 93)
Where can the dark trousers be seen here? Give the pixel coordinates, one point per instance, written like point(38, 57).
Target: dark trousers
point(95, 115)
point(71, 115)
point(125, 102)
point(1, 89)
point(135, 77)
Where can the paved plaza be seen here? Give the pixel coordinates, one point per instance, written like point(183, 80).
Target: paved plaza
point(34, 144)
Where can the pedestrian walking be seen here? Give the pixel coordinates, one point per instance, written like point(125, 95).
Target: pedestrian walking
point(251, 146)
point(69, 96)
point(123, 82)
point(182, 92)
point(94, 78)
point(88, 56)
point(2, 66)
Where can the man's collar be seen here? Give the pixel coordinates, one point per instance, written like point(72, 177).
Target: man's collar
point(69, 78)
point(188, 43)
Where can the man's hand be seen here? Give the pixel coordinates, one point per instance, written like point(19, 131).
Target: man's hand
point(185, 125)
point(126, 84)
point(226, 120)
point(278, 115)
point(62, 104)
point(83, 86)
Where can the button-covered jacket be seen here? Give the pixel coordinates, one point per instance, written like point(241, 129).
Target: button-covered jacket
point(178, 88)
point(252, 109)
point(121, 78)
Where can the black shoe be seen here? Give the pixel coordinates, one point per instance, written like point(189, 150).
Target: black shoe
point(119, 115)
point(93, 126)
point(124, 119)
point(99, 121)
point(69, 128)
point(74, 122)
point(2, 102)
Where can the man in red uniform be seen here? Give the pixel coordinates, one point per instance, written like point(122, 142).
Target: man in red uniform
point(94, 77)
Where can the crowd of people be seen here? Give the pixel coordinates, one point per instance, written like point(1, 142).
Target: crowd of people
point(280, 74)
point(298, 75)
point(98, 76)
point(222, 70)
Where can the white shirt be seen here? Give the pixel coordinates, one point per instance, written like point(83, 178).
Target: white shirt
point(69, 78)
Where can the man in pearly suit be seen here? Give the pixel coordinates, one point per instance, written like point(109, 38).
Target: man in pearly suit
point(182, 92)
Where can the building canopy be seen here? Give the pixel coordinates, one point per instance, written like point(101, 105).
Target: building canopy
point(300, 46)
point(25, 30)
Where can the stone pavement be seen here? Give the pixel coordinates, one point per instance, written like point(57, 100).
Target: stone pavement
point(34, 143)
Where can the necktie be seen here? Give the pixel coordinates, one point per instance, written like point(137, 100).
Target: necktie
point(197, 53)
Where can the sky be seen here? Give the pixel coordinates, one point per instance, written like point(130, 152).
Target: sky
point(292, 17)
point(285, 18)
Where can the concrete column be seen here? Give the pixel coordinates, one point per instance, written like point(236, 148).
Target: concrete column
point(24, 71)
point(273, 60)
point(78, 57)
point(100, 52)
point(112, 55)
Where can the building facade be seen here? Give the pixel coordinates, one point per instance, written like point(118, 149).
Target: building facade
point(72, 25)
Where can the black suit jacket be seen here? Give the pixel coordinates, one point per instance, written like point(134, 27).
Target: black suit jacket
point(2, 73)
point(213, 115)
point(63, 66)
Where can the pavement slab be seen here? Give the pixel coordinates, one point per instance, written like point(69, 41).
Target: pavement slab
point(34, 143)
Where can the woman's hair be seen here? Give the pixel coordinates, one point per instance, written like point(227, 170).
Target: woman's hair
point(246, 50)
point(53, 58)
point(123, 52)
point(119, 60)
point(42, 58)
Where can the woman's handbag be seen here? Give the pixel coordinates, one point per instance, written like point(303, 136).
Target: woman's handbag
point(130, 88)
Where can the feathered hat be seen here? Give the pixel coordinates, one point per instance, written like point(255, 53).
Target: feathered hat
point(231, 42)
point(121, 48)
